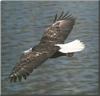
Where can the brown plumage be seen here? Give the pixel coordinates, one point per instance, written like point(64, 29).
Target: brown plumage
point(55, 34)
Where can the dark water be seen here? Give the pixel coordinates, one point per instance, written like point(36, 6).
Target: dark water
point(23, 24)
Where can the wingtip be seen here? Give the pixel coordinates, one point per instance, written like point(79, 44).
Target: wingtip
point(64, 16)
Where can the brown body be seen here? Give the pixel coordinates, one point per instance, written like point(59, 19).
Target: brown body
point(55, 34)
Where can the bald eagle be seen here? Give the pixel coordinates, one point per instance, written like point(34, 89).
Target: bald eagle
point(51, 46)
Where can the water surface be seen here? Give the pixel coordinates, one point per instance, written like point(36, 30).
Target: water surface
point(23, 24)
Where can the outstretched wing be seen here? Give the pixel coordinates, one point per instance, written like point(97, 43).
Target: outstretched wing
point(56, 34)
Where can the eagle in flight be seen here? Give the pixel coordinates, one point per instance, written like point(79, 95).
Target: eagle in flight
point(51, 45)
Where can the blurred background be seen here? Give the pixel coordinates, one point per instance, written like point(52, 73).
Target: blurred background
point(23, 24)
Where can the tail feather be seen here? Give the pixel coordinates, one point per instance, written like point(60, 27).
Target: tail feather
point(70, 47)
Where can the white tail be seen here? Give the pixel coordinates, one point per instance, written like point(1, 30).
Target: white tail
point(70, 47)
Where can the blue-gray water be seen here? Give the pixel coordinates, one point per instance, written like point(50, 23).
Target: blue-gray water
point(23, 24)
